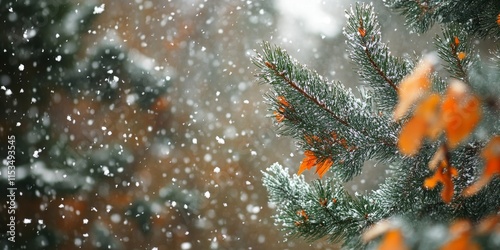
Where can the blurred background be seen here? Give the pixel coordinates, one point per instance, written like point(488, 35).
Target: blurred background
point(140, 124)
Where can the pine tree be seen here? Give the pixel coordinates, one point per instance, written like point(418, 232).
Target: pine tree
point(437, 131)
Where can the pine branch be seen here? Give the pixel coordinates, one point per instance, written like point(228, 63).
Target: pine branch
point(323, 208)
point(377, 69)
point(454, 49)
point(325, 117)
point(292, 84)
point(478, 17)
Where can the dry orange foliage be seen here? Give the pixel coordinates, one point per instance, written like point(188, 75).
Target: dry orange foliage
point(279, 116)
point(489, 224)
point(461, 231)
point(413, 87)
point(491, 155)
point(460, 112)
point(362, 32)
point(457, 114)
point(323, 166)
point(424, 123)
point(280, 113)
point(443, 174)
point(310, 160)
point(393, 240)
point(498, 19)
point(303, 214)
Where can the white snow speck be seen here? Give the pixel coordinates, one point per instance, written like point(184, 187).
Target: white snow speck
point(36, 154)
point(8, 92)
point(21, 67)
point(216, 170)
point(27, 221)
point(99, 9)
point(18, 124)
point(207, 157)
point(85, 221)
point(58, 58)
point(220, 140)
point(186, 245)
point(207, 195)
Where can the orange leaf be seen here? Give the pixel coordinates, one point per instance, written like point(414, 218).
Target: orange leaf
point(444, 174)
point(308, 162)
point(429, 111)
point(492, 149)
point(425, 122)
point(461, 232)
point(413, 86)
point(488, 224)
point(491, 154)
point(411, 136)
point(461, 112)
point(393, 240)
point(323, 167)
point(461, 55)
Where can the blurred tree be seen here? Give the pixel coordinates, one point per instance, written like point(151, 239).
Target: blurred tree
point(439, 135)
point(84, 116)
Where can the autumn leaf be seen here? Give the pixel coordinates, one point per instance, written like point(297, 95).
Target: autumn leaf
point(323, 167)
point(443, 174)
point(311, 160)
point(461, 233)
point(392, 235)
point(489, 224)
point(461, 112)
point(491, 155)
point(411, 136)
point(393, 240)
point(413, 87)
point(424, 123)
point(308, 162)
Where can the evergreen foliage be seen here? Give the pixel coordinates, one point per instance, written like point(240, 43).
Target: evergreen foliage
point(339, 132)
